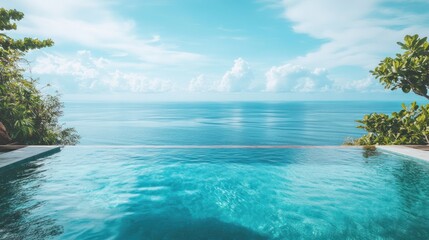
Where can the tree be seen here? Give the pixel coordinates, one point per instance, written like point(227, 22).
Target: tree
point(30, 116)
point(408, 71)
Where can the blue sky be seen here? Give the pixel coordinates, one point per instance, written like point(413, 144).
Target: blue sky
point(217, 50)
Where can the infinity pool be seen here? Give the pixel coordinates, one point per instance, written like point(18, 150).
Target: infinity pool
point(182, 193)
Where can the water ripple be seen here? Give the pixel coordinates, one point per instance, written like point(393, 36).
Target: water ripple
point(223, 193)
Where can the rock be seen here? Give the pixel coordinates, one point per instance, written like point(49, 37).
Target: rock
point(4, 136)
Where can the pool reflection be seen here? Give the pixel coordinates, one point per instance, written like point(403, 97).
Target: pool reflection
point(18, 188)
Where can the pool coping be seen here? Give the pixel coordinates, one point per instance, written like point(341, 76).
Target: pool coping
point(25, 154)
point(407, 150)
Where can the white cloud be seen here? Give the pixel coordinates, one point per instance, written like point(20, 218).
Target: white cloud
point(92, 25)
point(82, 65)
point(238, 79)
point(133, 82)
point(368, 84)
point(155, 39)
point(97, 74)
point(84, 72)
point(200, 83)
point(295, 78)
point(358, 33)
point(284, 78)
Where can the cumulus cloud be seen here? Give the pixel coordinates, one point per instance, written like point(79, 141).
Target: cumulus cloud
point(82, 65)
point(296, 78)
point(200, 83)
point(238, 79)
point(368, 84)
point(134, 82)
point(283, 78)
point(97, 74)
point(84, 72)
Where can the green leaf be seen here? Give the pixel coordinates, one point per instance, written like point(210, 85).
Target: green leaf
point(406, 88)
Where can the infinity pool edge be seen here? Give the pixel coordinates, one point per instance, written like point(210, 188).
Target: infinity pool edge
point(28, 153)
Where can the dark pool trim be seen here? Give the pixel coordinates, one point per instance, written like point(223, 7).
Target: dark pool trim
point(13, 158)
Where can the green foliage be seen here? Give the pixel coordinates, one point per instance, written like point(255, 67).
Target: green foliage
point(408, 71)
point(408, 126)
point(29, 116)
point(6, 18)
point(9, 45)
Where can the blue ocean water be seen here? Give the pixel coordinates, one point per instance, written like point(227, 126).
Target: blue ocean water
point(142, 193)
point(236, 123)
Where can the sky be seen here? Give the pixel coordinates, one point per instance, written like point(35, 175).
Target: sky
point(217, 50)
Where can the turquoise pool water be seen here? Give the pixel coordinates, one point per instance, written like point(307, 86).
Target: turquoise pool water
point(142, 193)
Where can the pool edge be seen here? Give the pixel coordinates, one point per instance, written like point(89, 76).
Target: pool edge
point(13, 158)
point(406, 150)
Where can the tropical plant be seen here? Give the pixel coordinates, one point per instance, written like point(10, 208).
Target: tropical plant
point(30, 116)
point(408, 126)
point(408, 71)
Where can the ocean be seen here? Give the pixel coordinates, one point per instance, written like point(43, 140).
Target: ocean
point(222, 123)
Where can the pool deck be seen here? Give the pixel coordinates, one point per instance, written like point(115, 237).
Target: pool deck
point(24, 154)
point(416, 151)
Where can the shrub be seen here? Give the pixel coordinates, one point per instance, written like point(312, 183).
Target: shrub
point(29, 116)
point(408, 126)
